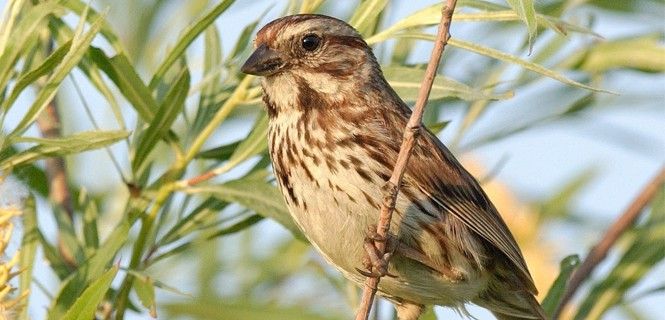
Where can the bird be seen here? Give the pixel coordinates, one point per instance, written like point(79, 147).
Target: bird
point(335, 129)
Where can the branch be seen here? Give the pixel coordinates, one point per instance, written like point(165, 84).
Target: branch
point(600, 250)
point(411, 132)
point(49, 125)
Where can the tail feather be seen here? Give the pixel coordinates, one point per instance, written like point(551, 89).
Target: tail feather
point(510, 304)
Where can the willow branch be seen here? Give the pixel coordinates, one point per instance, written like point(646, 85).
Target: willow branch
point(600, 250)
point(411, 132)
point(50, 126)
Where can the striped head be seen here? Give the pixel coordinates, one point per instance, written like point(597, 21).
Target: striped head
point(308, 43)
point(310, 53)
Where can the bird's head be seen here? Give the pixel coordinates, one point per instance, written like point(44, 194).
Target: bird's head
point(309, 44)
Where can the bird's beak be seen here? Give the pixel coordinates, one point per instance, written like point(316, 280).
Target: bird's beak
point(263, 62)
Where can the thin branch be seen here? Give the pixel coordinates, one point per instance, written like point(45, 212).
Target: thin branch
point(49, 126)
point(411, 132)
point(600, 250)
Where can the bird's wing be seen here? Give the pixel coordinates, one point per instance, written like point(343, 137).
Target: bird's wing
point(439, 175)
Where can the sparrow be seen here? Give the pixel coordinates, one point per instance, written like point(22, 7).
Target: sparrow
point(335, 129)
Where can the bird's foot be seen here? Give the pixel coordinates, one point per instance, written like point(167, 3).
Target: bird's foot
point(375, 265)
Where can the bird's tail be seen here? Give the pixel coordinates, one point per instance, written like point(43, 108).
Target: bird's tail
point(509, 303)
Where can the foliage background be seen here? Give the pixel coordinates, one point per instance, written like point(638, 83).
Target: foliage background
point(155, 86)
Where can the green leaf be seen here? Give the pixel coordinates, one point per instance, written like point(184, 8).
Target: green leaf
point(79, 47)
point(642, 53)
point(527, 12)
point(85, 305)
point(554, 295)
point(121, 72)
point(88, 272)
point(61, 32)
point(407, 80)
point(75, 143)
point(236, 227)
point(200, 217)
point(90, 216)
point(245, 37)
point(26, 27)
point(254, 194)
point(210, 234)
point(211, 82)
point(254, 143)
point(83, 9)
point(69, 245)
point(29, 245)
point(31, 175)
point(557, 206)
point(421, 18)
point(496, 54)
point(438, 127)
point(28, 78)
point(145, 290)
point(365, 16)
point(173, 104)
point(192, 32)
point(55, 260)
point(646, 249)
point(431, 16)
point(221, 153)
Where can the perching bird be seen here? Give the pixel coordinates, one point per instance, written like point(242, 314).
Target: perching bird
point(335, 131)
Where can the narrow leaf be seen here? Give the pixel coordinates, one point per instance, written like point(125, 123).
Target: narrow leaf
point(496, 54)
point(90, 233)
point(173, 104)
point(85, 305)
point(29, 245)
point(254, 143)
point(26, 27)
point(145, 290)
point(75, 143)
point(221, 153)
point(256, 195)
point(211, 86)
point(527, 12)
point(192, 32)
point(198, 218)
point(79, 7)
point(646, 250)
point(121, 72)
point(407, 80)
point(366, 14)
point(88, 272)
point(554, 295)
point(79, 48)
point(30, 77)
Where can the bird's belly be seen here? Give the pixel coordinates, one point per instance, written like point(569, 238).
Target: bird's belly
point(336, 220)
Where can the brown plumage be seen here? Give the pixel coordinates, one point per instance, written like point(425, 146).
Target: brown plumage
point(335, 131)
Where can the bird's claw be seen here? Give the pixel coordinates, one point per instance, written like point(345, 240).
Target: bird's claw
point(375, 266)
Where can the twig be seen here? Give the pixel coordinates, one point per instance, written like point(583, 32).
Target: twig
point(411, 132)
point(50, 126)
point(599, 251)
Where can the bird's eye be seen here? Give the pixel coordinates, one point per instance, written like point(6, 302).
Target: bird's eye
point(310, 42)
